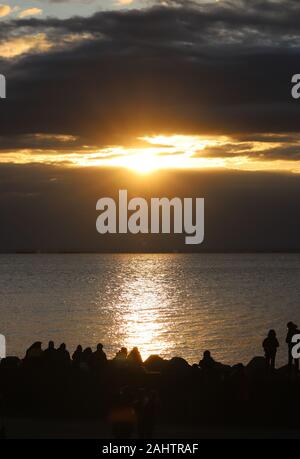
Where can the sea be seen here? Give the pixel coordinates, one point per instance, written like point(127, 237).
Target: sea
point(173, 305)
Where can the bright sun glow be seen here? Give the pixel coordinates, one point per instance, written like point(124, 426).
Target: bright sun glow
point(167, 152)
point(143, 163)
point(158, 152)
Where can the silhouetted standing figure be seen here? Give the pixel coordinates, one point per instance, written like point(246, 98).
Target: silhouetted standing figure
point(270, 345)
point(292, 331)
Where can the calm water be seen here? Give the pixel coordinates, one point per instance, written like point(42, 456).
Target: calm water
point(166, 304)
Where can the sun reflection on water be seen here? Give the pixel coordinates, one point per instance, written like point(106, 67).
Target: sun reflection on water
point(169, 304)
point(147, 305)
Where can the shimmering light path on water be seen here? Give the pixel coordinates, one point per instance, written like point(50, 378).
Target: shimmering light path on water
point(174, 305)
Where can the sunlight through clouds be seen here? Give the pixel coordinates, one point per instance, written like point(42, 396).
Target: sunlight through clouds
point(30, 12)
point(37, 43)
point(160, 152)
point(20, 45)
point(5, 10)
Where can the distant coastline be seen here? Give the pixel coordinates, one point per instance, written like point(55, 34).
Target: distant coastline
point(187, 252)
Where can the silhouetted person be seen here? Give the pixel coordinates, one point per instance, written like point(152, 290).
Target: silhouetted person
point(49, 355)
point(292, 331)
point(77, 357)
point(270, 345)
point(63, 356)
point(99, 357)
point(122, 354)
point(87, 358)
point(207, 363)
point(34, 351)
point(33, 357)
point(135, 357)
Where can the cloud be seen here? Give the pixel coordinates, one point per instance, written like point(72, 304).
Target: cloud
point(37, 43)
point(30, 12)
point(24, 44)
point(5, 10)
point(91, 84)
point(268, 152)
point(210, 69)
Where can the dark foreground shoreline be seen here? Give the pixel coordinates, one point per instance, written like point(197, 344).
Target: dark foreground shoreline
point(152, 399)
point(86, 429)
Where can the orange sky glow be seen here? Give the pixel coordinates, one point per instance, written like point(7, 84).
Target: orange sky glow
point(158, 152)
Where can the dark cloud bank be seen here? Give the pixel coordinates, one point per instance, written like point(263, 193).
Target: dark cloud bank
point(224, 67)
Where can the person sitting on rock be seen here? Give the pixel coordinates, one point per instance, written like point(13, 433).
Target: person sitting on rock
point(135, 357)
point(99, 357)
point(207, 362)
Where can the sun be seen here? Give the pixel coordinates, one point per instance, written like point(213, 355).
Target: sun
point(143, 163)
point(161, 152)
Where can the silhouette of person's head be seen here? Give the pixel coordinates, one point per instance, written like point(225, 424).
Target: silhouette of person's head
point(99, 347)
point(88, 352)
point(51, 345)
point(207, 362)
point(272, 334)
point(78, 355)
point(63, 347)
point(207, 355)
point(35, 350)
point(292, 326)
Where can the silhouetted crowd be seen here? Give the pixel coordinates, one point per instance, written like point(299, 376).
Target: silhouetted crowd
point(133, 395)
point(84, 360)
point(87, 359)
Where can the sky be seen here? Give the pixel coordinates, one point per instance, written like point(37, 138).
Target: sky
point(184, 88)
point(66, 9)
